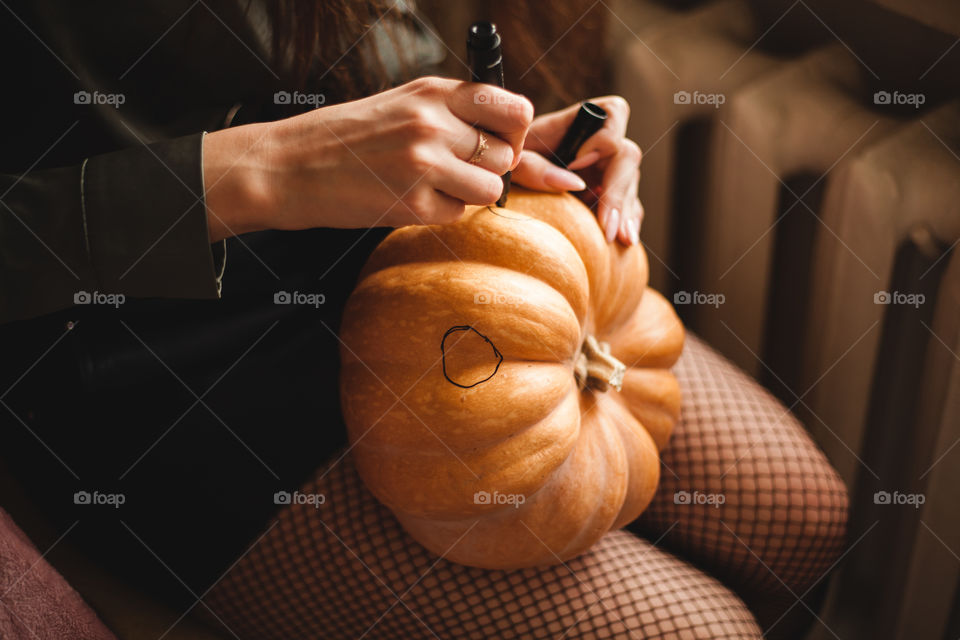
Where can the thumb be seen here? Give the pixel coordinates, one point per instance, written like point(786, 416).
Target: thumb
point(536, 172)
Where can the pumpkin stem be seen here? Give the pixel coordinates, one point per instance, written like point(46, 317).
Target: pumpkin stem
point(596, 368)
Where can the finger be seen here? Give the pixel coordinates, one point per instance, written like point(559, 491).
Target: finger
point(584, 161)
point(629, 231)
point(466, 182)
point(505, 114)
point(446, 209)
point(623, 231)
point(426, 205)
point(536, 172)
point(621, 178)
point(612, 225)
point(548, 130)
point(496, 157)
point(606, 141)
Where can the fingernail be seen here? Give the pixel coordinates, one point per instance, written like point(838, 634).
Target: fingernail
point(624, 229)
point(635, 231)
point(613, 222)
point(563, 180)
point(585, 160)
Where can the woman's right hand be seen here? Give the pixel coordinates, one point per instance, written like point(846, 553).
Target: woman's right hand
point(395, 158)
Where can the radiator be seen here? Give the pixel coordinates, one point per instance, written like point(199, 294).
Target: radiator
point(804, 228)
point(883, 370)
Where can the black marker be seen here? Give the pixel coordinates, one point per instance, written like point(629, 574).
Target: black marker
point(589, 120)
point(486, 65)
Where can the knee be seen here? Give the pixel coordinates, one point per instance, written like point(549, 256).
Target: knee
point(800, 519)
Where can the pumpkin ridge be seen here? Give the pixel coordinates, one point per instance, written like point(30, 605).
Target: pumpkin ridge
point(548, 324)
point(443, 435)
point(458, 416)
point(445, 243)
point(528, 473)
point(554, 409)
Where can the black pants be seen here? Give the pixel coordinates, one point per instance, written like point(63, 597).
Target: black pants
point(195, 412)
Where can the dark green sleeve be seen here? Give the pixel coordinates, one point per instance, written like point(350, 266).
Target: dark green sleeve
point(132, 222)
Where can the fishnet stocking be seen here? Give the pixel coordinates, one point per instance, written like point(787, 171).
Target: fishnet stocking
point(337, 572)
point(785, 509)
point(347, 570)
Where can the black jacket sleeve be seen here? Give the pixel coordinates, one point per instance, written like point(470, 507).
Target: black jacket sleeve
point(131, 222)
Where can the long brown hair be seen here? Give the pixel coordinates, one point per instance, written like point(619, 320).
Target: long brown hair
point(323, 40)
point(554, 53)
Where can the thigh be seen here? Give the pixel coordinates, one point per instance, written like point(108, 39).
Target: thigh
point(744, 491)
point(346, 570)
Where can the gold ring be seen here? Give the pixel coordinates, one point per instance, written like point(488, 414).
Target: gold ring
point(481, 147)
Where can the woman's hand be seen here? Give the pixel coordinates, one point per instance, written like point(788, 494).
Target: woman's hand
point(396, 158)
point(611, 161)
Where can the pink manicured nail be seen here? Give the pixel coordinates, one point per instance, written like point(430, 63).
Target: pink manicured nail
point(613, 222)
point(634, 231)
point(562, 180)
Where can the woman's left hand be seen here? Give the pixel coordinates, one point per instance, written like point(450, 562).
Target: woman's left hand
point(608, 160)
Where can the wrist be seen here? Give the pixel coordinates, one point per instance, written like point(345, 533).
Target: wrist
point(235, 177)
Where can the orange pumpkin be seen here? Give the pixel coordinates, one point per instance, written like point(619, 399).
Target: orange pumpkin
point(505, 381)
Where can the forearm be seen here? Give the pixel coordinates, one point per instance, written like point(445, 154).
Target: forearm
point(129, 222)
point(399, 157)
